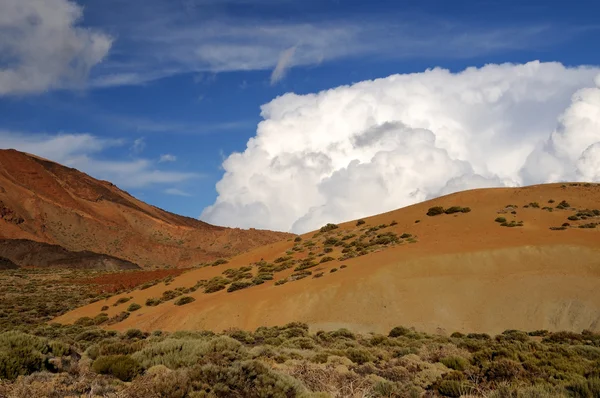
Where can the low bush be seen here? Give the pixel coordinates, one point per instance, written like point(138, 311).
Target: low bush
point(215, 284)
point(133, 307)
point(435, 211)
point(122, 300)
point(123, 367)
point(153, 302)
point(455, 363)
point(360, 222)
point(457, 209)
point(184, 300)
point(238, 285)
point(328, 227)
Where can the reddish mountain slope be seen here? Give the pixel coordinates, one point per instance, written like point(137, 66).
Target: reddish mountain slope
point(43, 201)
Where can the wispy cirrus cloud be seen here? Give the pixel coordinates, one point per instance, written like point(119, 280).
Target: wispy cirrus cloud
point(284, 63)
point(168, 38)
point(167, 157)
point(177, 192)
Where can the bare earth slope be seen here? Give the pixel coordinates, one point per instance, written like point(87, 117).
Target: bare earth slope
point(46, 202)
point(455, 272)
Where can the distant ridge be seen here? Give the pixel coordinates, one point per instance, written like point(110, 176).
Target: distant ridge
point(46, 202)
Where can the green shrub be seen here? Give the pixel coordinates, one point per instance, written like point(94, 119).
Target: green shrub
point(238, 285)
point(328, 227)
point(563, 205)
point(281, 282)
point(333, 270)
point(122, 300)
point(399, 331)
point(298, 239)
point(153, 302)
point(133, 307)
point(134, 334)
point(23, 354)
point(455, 363)
point(435, 211)
point(100, 318)
point(215, 284)
point(451, 388)
point(326, 259)
point(123, 367)
point(503, 370)
point(360, 222)
point(245, 379)
point(187, 350)
point(219, 262)
point(500, 219)
point(104, 308)
point(184, 300)
point(457, 209)
point(359, 355)
point(85, 321)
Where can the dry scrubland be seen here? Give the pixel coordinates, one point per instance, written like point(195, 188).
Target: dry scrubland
point(471, 269)
point(287, 361)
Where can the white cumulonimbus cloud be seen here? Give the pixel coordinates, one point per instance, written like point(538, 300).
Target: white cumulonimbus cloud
point(375, 146)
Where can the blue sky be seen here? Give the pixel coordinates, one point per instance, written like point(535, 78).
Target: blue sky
point(182, 83)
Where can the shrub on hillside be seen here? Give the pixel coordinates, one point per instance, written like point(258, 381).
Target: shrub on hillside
point(153, 302)
point(435, 211)
point(133, 307)
point(238, 285)
point(360, 222)
point(122, 300)
point(457, 209)
point(328, 227)
point(184, 300)
point(215, 284)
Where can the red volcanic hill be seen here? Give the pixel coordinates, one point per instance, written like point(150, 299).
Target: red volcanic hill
point(46, 202)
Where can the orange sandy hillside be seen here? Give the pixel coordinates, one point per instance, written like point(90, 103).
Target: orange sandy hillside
point(46, 202)
point(462, 271)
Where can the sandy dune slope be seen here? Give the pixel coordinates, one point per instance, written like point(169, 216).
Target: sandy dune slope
point(456, 272)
